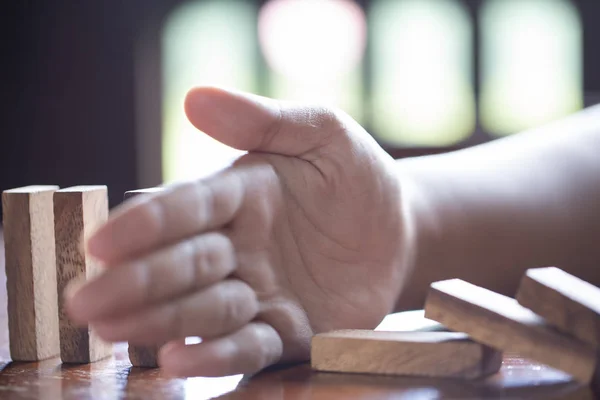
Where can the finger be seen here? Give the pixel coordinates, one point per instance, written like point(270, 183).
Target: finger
point(252, 348)
point(172, 272)
point(175, 214)
point(215, 311)
point(249, 122)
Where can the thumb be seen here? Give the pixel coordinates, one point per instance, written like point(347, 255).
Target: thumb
point(254, 123)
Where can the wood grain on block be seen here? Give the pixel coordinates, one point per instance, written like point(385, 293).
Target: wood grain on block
point(565, 301)
point(143, 356)
point(30, 272)
point(500, 322)
point(77, 212)
point(431, 354)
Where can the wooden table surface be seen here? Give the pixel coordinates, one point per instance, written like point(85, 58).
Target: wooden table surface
point(114, 378)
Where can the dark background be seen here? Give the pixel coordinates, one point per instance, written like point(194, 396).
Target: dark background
point(69, 88)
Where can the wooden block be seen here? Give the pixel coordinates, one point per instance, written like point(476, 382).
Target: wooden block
point(500, 322)
point(431, 354)
point(565, 301)
point(30, 272)
point(77, 212)
point(143, 356)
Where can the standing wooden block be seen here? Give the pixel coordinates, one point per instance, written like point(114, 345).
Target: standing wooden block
point(77, 212)
point(431, 354)
point(143, 356)
point(30, 272)
point(567, 302)
point(502, 323)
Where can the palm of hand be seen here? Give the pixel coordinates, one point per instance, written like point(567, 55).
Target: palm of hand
point(330, 236)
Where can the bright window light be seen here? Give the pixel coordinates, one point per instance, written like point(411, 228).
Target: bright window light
point(315, 50)
point(205, 42)
point(421, 72)
point(532, 63)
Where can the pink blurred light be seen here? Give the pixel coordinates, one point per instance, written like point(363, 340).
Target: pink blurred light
point(312, 39)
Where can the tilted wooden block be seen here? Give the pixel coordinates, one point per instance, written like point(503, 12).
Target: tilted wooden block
point(431, 354)
point(502, 323)
point(143, 356)
point(565, 301)
point(77, 212)
point(30, 272)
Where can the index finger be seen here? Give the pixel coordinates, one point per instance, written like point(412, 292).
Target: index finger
point(156, 221)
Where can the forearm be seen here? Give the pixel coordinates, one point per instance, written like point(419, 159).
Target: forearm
point(488, 213)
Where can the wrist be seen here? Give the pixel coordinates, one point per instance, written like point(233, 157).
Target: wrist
point(422, 226)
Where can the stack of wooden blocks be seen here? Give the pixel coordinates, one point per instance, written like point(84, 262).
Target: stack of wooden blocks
point(44, 230)
point(554, 320)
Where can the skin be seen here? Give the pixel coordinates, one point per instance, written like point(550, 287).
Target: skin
point(317, 228)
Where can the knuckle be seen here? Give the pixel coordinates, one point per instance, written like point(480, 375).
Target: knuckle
point(212, 258)
point(238, 305)
point(145, 281)
point(205, 197)
point(333, 123)
point(333, 118)
point(263, 352)
point(200, 262)
point(223, 252)
point(231, 310)
point(152, 213)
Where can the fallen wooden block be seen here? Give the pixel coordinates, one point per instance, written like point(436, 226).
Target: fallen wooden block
point(430, 354)
point(143, 356)
point(565, 301)
point(77, 212)
point(502, 323)
point(30, 272)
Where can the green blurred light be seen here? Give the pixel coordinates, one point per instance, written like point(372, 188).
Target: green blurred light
point(531, 65)
point(205, 42)
point(422, 73)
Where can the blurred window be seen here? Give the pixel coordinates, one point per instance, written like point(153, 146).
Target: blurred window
point(404, 69)
point(314, 50)
point(422, 77)
point(208, 42)
point(531, 63)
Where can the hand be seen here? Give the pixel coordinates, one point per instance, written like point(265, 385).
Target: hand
point(303, 234)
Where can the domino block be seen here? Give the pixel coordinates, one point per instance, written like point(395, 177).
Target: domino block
point(565, 301)
point(428, 354)
point(77, 212)
point(30, 272)
point(143, 356)
point(500, 322)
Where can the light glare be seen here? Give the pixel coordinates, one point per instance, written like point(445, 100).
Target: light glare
point(531, 66)
point(315, 50)
point(422, 74)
